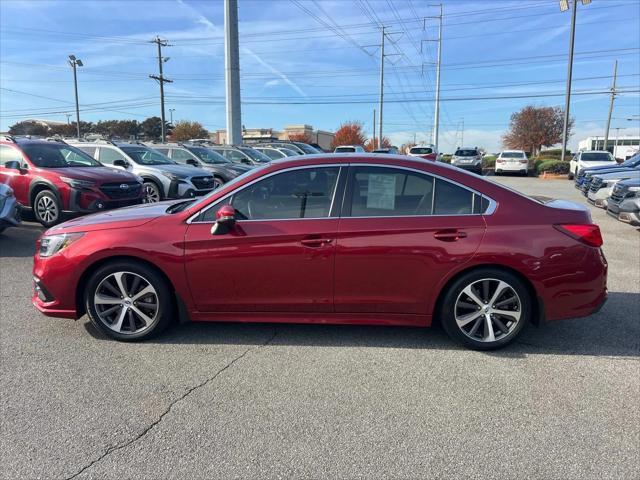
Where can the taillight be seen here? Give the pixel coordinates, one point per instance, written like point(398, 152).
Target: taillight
point(585, 233)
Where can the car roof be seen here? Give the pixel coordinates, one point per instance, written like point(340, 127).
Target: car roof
point(28, 141)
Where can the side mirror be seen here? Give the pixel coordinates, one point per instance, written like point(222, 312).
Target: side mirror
point(225, 220)
point(13, 164)
point(191, 161)
point(120, 163)
point(246, 161)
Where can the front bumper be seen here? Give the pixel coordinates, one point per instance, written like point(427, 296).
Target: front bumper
point(599, 198)
point(185, 189)
point(90, 201)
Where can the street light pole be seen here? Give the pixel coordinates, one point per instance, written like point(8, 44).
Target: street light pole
point(76, 62)
point(565, 5)
point(436, 121)
point(171, 110)
point(381, 88)
point(232, 73)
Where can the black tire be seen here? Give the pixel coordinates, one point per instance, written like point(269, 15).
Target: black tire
point(163, 300)
point(47, 209)
point(455, 292)
point(153, 193)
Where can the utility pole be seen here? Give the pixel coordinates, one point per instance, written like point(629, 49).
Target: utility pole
point(161, 80)
point(76, 62)
point(381, 87)
point(232, 72)
point(565, 5)
point(613, 96)
point(373, 140)
point(436, 121)
point(68, 115)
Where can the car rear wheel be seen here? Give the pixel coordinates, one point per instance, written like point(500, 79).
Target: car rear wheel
point(486, 309)
point(151, 192)
point(128, 301)
point(46, 208)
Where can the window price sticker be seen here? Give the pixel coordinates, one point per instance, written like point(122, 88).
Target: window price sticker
point(381, 191)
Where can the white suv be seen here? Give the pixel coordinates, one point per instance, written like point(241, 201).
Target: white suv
point(588, 159)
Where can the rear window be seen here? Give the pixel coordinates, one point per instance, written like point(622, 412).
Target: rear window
point(466, 153)
point(421, 150)
point(512, 155)
point(345, 149)
point(596, 157)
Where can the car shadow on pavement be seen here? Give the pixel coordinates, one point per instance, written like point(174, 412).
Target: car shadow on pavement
point(20, 241)
point(613, 332)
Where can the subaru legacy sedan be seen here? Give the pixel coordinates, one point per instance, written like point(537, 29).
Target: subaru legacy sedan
point(341, 239)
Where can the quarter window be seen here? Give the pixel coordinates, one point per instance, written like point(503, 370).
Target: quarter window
point(301, 193)
point(451, 199)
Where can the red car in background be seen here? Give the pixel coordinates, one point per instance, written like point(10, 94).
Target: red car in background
point(343, 239)
point(53, 178)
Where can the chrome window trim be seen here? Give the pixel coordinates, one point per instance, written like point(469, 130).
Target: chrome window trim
point(489, 211)
point(190, 220)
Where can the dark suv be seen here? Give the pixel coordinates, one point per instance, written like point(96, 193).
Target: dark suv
point(222, 168)
point(53, 178)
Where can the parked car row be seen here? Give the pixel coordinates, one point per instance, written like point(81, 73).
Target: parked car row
point(54, 179)
point(609, 185)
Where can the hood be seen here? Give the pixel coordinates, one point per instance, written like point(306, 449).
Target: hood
point(632, 182)
point(238, 167)
point(183, 170)
point(96, 174)
point(587, 165)
point(123, 218)
point(602, 167)
point(622, 173)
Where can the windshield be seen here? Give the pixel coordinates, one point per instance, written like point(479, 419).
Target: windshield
point(421, 150)
point(58, 155)
point(512, 155)
point(596, 157)
point(255, 155)
point(345, 149)
point(288, 152)
point(632, 162)
point(146, 156)
point(306, 148)
point(466, 153)
point(208, 156)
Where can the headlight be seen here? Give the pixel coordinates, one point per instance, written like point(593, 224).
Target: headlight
point(635, 190)
point(77, 183)
point(171, 176)
point(52, 244)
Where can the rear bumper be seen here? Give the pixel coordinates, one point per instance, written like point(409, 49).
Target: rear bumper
point(469, 167)
point(10, 213)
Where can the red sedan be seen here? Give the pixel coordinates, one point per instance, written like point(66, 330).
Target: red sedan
point(343, 239)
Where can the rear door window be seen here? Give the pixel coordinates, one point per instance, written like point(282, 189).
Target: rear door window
point(109, 155)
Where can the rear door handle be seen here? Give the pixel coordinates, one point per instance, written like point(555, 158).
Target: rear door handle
point(315, 242)
point(449, 235)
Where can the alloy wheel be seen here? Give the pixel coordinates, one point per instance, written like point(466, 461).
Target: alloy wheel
point(126, 303)
point(488, 310)
point(151, 193)
point(47, 209)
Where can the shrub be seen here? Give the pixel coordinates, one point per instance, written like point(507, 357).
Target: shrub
point(555, 153)
point(539, 160)
point(446, 158)
point(553, 166)
point(489, 161)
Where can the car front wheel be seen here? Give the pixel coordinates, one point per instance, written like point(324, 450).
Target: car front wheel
point(46, 208)
point(128, 301)
point(151, 193)
point(486, 309)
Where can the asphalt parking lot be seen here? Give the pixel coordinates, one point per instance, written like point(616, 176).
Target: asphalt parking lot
point(277, 401)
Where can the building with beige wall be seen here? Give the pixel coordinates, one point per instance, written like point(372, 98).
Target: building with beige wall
point(321, 137)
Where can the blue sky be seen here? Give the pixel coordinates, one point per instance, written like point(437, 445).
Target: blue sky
point(291, 57)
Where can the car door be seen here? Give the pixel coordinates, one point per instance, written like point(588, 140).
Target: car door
point(400, 233)
point(279, 255)
point(18, 180)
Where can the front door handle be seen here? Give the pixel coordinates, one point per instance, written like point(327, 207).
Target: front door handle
point(315, 242)
point(450, 235)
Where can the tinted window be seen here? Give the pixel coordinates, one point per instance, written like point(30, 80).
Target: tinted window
point(452, 199)
point(255, 154)
point(146, 156)
point(596, 157)
point(512, 155)
point(207, 155)
point(466, 153)
point(421, 150)
point(272, 154)
point(235, 156)
point(57, 155)
point(8, 154)
point(164, 151)
point(302, 193)
point(288, 152)
point(307, 148)
point(384, 192)
point(345, 150)
point(109, 155)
